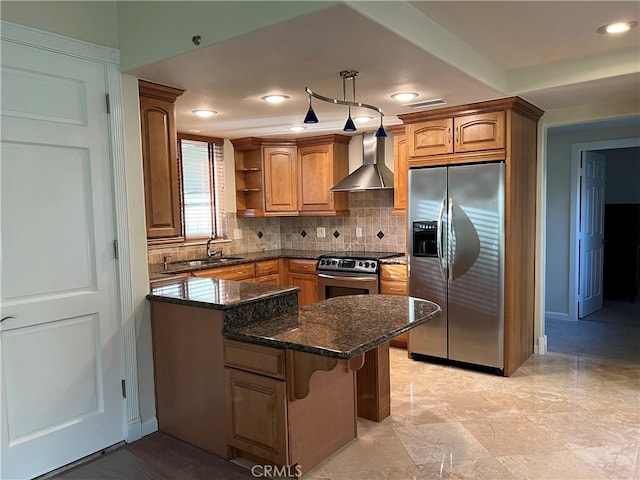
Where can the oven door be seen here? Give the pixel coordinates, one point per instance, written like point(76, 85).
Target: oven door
point(336, 284)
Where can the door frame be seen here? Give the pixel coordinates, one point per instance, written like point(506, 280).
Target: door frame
point(577, 150)
point(110, 58)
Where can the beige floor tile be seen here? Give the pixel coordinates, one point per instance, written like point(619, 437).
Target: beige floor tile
point(487, 468)
point(616, 461)
point(434, 442)
point(563, 465)
point(592, 428)
point(385, 473)
point(515, 435)
point(368, 452)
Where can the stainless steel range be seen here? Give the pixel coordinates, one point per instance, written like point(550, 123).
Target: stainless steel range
point(350, 273)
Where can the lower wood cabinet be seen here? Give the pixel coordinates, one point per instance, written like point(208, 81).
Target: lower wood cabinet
point(393, 281)
point(244, 271)
point(276, 415)
point(257, 415)
point(302, 273)
point(269, 271)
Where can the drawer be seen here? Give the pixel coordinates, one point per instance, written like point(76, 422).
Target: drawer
point(390, 287)
point(302, 266)
point(254, 358)
point(273, 279)
point(267, 267)
point(393, 272)
point(236, 272)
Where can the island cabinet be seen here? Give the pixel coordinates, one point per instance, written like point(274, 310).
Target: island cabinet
point(400, 170)
point(302, 273)
point(322, 162)
point(160, 160)
point(393, 281)
point(287, 407)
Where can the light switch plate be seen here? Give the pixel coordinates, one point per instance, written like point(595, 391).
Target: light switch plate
point(359, 232)
point(321, 232)
point(237, 234)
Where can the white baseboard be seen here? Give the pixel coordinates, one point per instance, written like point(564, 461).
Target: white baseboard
point(557, 315)
point(541, 345)
point(149, 426)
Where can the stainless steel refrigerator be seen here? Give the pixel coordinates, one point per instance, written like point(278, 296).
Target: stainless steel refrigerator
point(456, 259)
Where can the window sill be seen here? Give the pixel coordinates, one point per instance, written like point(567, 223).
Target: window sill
point(179, 244)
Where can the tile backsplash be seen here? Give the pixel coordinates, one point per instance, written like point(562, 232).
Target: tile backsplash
point(370, 215)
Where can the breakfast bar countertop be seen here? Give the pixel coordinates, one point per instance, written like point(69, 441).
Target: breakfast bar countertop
point(339, 327)
point(216, 294)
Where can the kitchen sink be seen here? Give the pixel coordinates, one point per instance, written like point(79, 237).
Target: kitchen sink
point(205, 261)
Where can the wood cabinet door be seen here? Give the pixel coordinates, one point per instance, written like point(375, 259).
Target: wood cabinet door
point(257, 415)
point(432, 137)
point(484, 131)
point(160, 167)
point(280, 179)
point(245, 271)
point(315, 165)
point(400, 174)
point(308, 284)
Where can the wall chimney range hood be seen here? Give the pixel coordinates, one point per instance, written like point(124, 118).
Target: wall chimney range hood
point(373, 174)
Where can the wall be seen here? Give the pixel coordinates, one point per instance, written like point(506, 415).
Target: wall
point(622, 175)
point(558, 190)
point(152, 31)
point(93, 22)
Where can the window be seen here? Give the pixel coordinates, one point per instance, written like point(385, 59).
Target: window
point(203, 196)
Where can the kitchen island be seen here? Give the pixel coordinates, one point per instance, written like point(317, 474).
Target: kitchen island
point(240, 370)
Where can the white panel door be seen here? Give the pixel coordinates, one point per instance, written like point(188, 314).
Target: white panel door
point(60, 342)
point(592, 233)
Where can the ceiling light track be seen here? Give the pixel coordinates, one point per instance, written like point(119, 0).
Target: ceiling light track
point(311, 116)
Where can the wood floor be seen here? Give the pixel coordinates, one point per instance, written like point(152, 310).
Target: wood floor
point(156, 457)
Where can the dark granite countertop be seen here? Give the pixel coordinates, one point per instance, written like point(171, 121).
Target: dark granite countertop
point(340, 327)
point(157, 270)
point(215, 294)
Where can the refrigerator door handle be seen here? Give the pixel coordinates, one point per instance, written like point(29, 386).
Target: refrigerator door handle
point(440, 245)
point(450, 248)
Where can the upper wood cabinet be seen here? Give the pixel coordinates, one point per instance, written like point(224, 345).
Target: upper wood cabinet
point(400, 169)
point(464, 134)
point(322, 162)
point(431, 137)
point(279, 177)
point(160, 160)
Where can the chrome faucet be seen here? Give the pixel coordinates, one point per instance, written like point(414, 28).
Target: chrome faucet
point(209, 252)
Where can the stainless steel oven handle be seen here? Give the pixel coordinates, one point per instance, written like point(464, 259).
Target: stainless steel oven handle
point(346, 277)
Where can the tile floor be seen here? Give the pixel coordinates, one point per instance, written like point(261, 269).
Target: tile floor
point(559, 417)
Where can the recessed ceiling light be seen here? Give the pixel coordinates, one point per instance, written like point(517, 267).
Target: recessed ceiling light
point(205, 113)
point(297, 129)
point(404, 96)
point(274, 98)
point(617, 27)
point(362, 119)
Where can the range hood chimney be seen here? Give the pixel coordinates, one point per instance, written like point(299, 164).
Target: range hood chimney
point(373, 174)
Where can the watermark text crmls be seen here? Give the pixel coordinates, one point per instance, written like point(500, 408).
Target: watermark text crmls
point(286, 471)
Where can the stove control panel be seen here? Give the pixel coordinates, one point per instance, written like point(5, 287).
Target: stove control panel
point(348, 265)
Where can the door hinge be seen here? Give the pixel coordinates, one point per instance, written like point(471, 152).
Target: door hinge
point(116, 253)
point(124, 388)
point(108, 100)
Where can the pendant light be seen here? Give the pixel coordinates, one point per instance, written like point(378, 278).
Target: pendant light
point(349, 125)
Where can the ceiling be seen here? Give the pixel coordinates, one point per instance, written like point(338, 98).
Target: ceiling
point(546, 52)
